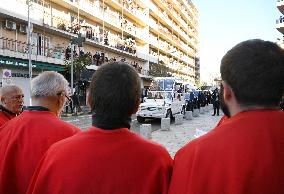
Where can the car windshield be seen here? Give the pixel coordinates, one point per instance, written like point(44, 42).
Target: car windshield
point(155, 95)
point(159, 95)
point(162, 84)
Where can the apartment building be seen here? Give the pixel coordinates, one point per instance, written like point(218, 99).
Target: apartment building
point(146, 34)
point(280, 22)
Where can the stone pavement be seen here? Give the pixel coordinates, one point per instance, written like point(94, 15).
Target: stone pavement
point(179, 135)
point(81, 121)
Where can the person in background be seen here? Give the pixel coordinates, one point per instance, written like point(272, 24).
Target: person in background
point(25, 139)
point(244, 154)
point(107, 158)
point(12, 101)
point(216, 102)
point(75, 103)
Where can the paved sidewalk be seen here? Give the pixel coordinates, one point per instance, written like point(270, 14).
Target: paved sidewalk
point(179, 135)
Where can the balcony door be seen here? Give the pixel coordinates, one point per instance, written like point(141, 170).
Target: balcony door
point(47, 46)
point(34, 43)
point(40, 44)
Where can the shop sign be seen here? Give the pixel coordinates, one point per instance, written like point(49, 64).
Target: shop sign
point(15, 63)
point(24, 63)
point(25, 75)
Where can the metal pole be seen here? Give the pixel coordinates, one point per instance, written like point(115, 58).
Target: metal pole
point(72, 69)
point(29, 46)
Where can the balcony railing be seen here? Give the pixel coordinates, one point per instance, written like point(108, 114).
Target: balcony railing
point(22, 47)
point(280, 20)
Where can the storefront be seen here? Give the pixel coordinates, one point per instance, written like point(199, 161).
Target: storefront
point(20, 72)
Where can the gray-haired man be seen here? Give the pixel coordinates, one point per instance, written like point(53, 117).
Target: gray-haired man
point(25, 139)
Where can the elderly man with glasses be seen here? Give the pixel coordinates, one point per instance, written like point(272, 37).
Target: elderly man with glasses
point(25, 139)
point(12, 100)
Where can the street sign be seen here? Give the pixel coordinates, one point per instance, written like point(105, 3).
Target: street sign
point(7, 73)
point(6, 77)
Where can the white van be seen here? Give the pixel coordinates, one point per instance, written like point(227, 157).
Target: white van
point(162, 101)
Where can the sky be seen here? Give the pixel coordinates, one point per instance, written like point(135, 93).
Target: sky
point(224, 23)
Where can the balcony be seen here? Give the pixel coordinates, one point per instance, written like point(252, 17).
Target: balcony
point(280, 6)
point(169, 52)
point(163, 17)
point(169, 25)
point(130, 11)
point(17, 49)
point(108, 18)
point(175, 41)
point(280, 24)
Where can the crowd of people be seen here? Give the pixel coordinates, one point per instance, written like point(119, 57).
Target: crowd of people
point(100, 58)
point(103, 36)
point(195, 99)
point(41, 154)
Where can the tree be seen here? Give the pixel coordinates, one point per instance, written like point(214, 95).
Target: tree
point(80, 63)
point(159, 70)
point(201, 85)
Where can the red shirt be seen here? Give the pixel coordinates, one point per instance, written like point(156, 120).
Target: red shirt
point(4, 117)
point(103, 161)
point(243, 155)
point(222, 120)
point(23, 141)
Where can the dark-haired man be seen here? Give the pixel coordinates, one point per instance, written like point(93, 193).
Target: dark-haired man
point(245, 153)
point(107, 158)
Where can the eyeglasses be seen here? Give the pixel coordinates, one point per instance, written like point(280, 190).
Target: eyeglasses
point(18, 97)
point(67, 97)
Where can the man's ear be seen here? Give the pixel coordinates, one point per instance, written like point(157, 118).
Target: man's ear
point(136, 106)
point(61, 100)
point(89, 101)
point(2, 100)
point(227, 92)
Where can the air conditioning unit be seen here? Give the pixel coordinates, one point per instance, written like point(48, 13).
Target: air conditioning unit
point(23, 29)
point(10, 25)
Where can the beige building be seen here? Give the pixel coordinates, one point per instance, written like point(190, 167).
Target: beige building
point(280, 22)
point(147, 34)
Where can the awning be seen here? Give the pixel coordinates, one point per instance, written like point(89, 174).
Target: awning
point(23, 63)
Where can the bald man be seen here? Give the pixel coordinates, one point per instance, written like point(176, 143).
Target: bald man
point(12, 100)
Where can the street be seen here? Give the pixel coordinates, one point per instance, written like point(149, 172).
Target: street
point(174, 139)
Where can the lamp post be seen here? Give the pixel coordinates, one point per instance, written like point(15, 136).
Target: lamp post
point(75, 41)
point(72, 68)
point(29, 47)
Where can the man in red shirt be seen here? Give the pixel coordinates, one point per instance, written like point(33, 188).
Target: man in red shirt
point(25, 139)
point(12, 100)
point(244, 154)
point(108, 158)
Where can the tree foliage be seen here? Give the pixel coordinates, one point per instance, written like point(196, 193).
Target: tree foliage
point(159, 70)
point(80, 63)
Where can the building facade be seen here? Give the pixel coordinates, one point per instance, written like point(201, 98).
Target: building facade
point(146, 34)
point(280, 22)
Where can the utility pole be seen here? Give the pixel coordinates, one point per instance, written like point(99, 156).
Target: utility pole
point(75, 41)
point(72, 68)
point(29, 46)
